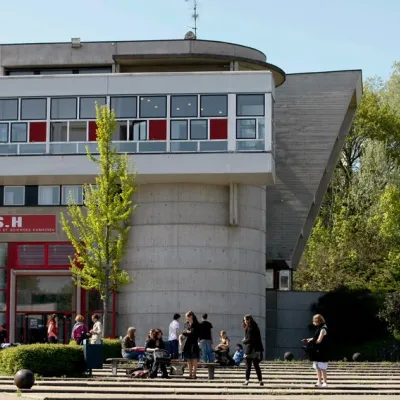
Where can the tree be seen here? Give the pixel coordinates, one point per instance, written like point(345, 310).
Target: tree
point(99, 230)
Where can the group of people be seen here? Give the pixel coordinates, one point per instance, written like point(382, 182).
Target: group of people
point(194, 341)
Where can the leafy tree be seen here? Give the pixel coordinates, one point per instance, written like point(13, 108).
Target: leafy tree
point(390, 312)
point(99, 230)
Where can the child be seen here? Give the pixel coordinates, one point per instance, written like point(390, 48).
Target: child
point(239, 354)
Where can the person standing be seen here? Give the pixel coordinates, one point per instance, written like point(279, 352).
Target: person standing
point(97, 330)
point(79, 331)
point(173, 337)
point(206, 340)
point(52, 330)
point(3, 334)
point(320, 350)
point(191, 350)
point(254, 348)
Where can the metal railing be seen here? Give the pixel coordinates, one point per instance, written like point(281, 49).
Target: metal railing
point(130, 147)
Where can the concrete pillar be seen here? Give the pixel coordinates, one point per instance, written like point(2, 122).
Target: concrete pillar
point(183, 255)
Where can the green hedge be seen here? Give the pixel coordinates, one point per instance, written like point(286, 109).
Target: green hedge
point(111, 348)
point(44, 360)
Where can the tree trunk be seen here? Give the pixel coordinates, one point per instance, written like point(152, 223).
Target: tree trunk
point(105, 314)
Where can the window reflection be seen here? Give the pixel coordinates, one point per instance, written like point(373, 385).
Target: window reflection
point(153, 107)
point(214, 106)
point(250, 105)
point(183, 106)
point(45, 293)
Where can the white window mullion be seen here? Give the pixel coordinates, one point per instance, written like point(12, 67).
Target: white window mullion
point(232, 122)
point(48, 125)
point(168, 123)
point(268, 122)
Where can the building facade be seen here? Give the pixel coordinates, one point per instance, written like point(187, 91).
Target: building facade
point(232, 157)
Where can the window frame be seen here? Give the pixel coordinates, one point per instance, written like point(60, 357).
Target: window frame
point(90, 97)
point(117, 117)
point(63, 98)
point(195, 109)
point(225, 115)
point(15, 99)
point(49, 186)
point(165, 115)
point(4, 196)
point(64, 201)
point(248, 95)
point(30, 99)
point(187, 130)
point(207, 128)
point(238, 120)
point(131, 132)
point(26, 132)
point(7, 132)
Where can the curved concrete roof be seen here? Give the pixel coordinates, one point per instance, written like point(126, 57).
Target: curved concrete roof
point(147, 51)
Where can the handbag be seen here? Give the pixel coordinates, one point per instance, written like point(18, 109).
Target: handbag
point(162, 357)
point(177, 370)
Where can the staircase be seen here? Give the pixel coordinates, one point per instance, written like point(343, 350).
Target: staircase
point(282, 380)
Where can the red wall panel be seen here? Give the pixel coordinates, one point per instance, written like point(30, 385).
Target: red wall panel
point(158, 129)
point(218, 129)
point(37, 131)
point(92, 131)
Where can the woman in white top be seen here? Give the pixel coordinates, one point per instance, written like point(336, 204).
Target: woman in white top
point(97, 330)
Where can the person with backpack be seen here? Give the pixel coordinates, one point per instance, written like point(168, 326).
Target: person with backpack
point(80, 332)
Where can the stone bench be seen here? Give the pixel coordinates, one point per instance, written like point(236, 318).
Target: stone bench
point(119, 363)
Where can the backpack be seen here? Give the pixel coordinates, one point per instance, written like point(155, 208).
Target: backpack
point(80, 334)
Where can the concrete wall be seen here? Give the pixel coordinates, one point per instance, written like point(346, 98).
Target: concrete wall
point(288, 315)
point(184, 256)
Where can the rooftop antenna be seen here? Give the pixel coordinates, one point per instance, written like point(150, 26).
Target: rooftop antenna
point(195, 16)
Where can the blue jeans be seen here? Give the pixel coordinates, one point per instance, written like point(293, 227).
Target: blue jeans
point(207, 354)
point(174, 349)
point(133, 355)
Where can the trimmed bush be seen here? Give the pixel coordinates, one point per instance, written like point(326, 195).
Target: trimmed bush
point(44, 360)
point(111, 348)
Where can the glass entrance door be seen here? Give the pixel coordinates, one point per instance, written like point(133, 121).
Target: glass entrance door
point(32, 328)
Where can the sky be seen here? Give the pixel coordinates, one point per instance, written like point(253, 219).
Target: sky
point(296, 35)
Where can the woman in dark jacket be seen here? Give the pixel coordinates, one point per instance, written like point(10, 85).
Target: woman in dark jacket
point(191, 350)
point(153, 344)
point(253, 348)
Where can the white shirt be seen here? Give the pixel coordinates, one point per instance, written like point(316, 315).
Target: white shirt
point(97, 331)
point(173, 327)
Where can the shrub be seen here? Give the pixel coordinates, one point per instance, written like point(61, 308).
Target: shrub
point(390, 312)
point(44, 359)
point(352, 319)
point(111, 348)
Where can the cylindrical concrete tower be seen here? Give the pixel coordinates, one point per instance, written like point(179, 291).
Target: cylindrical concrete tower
point(183, 255)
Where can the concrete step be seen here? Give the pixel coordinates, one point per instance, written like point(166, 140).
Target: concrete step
point(281, 381)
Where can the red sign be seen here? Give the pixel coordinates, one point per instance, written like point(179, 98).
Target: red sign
point(28, 223)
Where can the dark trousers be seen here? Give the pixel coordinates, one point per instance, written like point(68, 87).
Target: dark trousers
point(52, 340)
point(256, 364)
point(154, 370)
point(174, 349)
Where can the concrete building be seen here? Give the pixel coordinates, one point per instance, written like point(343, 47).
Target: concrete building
point(233, 159)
